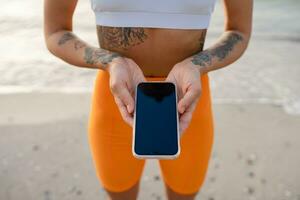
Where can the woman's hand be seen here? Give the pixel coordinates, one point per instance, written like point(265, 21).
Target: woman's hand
point(125, 74)
point(186, 77)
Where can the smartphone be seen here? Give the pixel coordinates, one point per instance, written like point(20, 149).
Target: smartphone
point(156, 127)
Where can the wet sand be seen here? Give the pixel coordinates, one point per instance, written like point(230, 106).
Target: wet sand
point(44, 153)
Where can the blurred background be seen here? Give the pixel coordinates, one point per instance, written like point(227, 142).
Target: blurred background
point(44, 108)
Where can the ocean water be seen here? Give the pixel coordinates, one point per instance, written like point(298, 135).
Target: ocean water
point(268, 72)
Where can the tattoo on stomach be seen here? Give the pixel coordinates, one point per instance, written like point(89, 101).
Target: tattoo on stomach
point(119, 37)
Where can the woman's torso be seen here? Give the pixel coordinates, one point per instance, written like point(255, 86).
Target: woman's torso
point(155, 50)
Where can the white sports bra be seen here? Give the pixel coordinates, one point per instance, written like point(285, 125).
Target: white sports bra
point(179, 14)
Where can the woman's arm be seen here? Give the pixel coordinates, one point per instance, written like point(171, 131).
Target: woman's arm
point(233, 42)
point(229, 47)
point(63, 43)
point(124, 73)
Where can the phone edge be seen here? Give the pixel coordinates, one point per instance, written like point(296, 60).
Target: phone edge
point(134, 121)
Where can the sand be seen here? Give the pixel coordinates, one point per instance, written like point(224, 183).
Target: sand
point(44, 153)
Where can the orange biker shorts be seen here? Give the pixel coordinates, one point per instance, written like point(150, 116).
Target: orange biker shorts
point(110, 140)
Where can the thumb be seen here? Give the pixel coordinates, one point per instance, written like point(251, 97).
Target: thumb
point(188, 99)
point(181, 106)
point(127, 99)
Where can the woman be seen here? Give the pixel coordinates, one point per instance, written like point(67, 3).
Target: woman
point(149, 40)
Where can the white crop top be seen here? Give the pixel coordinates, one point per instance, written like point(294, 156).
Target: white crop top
point(179, 14)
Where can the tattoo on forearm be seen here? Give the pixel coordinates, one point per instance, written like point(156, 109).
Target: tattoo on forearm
point(117, 37)
point(92, 56)
point(202, 59)
point(205, 58)
point(227, 46)
point(96, 56)
point(68, 37)
point(78, 44)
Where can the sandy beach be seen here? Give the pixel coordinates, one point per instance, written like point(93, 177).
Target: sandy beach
point(45, 154)
point(44, 107)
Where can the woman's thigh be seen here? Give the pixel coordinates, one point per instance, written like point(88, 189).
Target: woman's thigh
point(185, 174)
point(110, 140)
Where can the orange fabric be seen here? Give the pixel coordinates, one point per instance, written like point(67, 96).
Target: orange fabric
point(110, 140)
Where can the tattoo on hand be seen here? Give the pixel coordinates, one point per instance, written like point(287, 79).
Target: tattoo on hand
point(204, 58)
point(95, 56)
point(116, 37)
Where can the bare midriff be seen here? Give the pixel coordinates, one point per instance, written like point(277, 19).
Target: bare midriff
point(155, 50)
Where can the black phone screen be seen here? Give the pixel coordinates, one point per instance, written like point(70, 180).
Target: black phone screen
point(156, 119)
